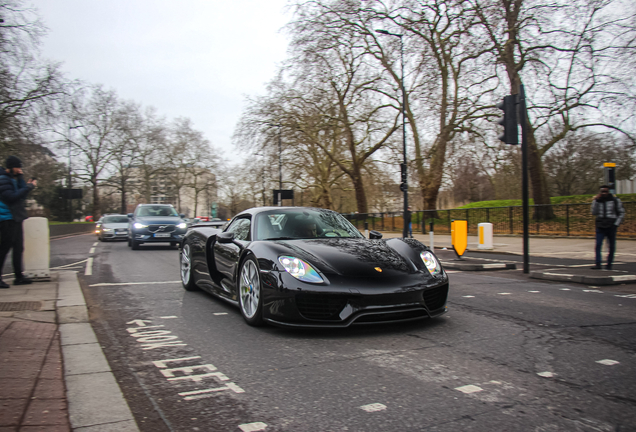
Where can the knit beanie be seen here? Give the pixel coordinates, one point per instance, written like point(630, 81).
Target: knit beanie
point(13, 162)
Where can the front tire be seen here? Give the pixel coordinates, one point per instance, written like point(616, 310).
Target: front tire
point(186, 269)
point(250, 295)
point(135, 244)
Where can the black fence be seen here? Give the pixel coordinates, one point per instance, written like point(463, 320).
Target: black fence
point(569, 220)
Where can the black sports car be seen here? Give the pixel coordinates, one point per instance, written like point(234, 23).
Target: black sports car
point(310, 267)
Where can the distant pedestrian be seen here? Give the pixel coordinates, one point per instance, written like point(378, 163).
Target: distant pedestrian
point(13, 192)
point(609, 214)
point(408, 226)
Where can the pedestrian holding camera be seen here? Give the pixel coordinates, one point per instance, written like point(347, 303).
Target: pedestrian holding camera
point(13, 192)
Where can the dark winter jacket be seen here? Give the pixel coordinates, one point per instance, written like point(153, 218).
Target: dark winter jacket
point(608, 207)
point(13, 192)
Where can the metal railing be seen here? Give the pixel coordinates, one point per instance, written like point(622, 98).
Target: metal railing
point(569, 220)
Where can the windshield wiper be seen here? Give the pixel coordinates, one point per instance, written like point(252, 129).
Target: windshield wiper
point(282, 238)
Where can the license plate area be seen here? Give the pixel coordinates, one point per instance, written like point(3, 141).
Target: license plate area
point(162, 235)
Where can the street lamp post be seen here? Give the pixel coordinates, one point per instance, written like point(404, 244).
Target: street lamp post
point(403, 168)
point(280, 162)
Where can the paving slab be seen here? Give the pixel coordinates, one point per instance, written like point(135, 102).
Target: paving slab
point(97, 400)
point(77, 333)
point(84, 359)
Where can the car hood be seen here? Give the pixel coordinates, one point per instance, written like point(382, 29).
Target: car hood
point(158, 220)
point(351, 257)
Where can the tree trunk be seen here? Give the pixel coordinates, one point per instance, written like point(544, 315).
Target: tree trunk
point(96, 210)
point(540, 193)
point(124, 210)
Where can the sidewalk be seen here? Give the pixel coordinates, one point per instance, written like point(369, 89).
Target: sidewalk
point(53, 373)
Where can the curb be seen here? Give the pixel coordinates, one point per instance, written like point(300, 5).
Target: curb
point(587, 280)
point(478, 267)
point(95, 401)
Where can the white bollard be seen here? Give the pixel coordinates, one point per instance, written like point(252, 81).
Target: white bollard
point(485, 236)
point(37, 248)
point(431, 242)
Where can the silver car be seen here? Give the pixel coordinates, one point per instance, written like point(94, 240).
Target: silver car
point(114, 227)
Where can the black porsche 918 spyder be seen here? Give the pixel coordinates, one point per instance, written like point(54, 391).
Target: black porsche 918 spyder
point(310, 267)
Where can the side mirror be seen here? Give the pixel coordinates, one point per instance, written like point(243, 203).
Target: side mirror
point(375, 235)
point(181, 215)
point(225, 237)
point(130, 215)
point(196, 220)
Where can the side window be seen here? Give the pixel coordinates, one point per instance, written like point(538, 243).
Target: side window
point(241, 229)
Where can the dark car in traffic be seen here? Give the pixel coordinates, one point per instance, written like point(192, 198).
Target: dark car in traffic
point(155, 223)
point(310, 267)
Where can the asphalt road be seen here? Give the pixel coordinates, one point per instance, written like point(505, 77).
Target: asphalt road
point(512, 354)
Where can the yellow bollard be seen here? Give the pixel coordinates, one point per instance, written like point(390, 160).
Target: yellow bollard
point(459, 236)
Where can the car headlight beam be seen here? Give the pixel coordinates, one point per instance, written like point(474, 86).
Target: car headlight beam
point(140, 225)
point(432, 265)
point(300, 269)
point(182, 225)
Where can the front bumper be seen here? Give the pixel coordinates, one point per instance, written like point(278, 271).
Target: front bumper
point(154, 238)
point(114, 235)
point(291, 303)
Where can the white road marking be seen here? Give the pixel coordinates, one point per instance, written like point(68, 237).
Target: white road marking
point(220, 313)
point(626, 295)
point(468, 296)
point(504, 293)
point(593, 290)
point(95, 244)
point(608, 362)
point(131, 283)
point(68, 265)
point(373, 407)
point(468, 389)
point(624, 278)
point(452, 271)
point(493, 266)
point(169, 317)
point(252, 427)
point(546, 374)
point(88, 271)
point(565, 289)
point(92, 250)
point(534, 291)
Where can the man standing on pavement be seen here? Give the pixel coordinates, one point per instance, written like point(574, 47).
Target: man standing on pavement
point(13, 192)
point(408, 227)
point(609, 214)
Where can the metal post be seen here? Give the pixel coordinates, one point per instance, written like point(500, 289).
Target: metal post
point(280, 168)
point(406, 191)
point(524, 176)
point(69, 183)
point(567, 219)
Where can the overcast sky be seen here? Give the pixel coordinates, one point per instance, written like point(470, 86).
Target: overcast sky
point(187, 58)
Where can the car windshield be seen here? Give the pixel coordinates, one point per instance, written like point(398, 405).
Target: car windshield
point(303, 224)
point(157, 211)
point(115, 219)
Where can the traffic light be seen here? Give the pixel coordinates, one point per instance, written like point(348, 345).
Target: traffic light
point(404, 185)
point(509, 120)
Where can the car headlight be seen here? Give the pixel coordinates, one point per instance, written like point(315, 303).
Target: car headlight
point(107, 229)
point(140, 225)
point(182, 225)
point(300, 269)
point(433, 266)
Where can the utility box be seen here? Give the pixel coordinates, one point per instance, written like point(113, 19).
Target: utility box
point(37, 248)
point(459, 236)
point(485, 236)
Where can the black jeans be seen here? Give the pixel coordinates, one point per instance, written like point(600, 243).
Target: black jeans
point(610, 233)
point(11, 237)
